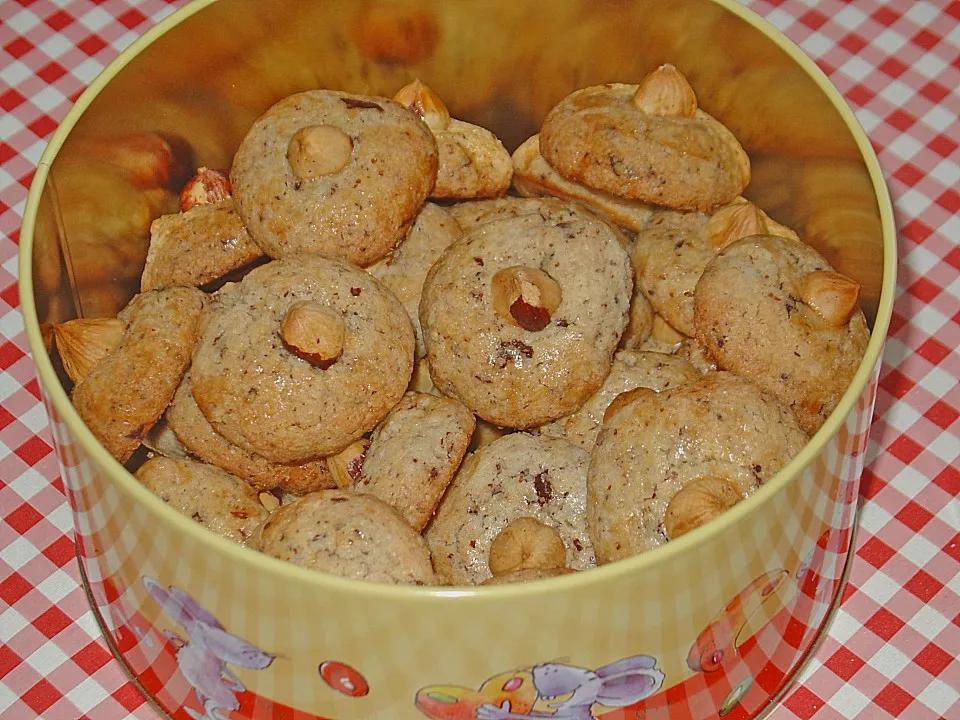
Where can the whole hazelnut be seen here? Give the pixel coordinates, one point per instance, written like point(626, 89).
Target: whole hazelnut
point(526, 544)
point(831, 295)
point(318, 151)
point(525, 297)
point(206, 187)
point(426, 103)
point(698, 502)
point(313, 333)
point(665, 91)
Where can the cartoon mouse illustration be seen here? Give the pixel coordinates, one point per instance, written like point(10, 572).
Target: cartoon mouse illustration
point(204, 656)
point(572, 691)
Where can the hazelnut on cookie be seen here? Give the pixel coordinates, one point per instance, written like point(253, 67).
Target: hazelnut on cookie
point(714, 440)
point(472, 161)
point(301, 358)
point(335, 174)
point(773, 310)
point(521, 317)
point(648, 142)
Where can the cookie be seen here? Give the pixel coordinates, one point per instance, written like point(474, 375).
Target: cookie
point(639, 321)
point(521, 317)
point(201, 440)
point(215, 499)
point(301, 357)
point(335, 174)
point(533, 177)
point(773, 310)
point(404, 271)
point(646, 142)
point(630, 370)
point(472, 213)
point(472, 161)
point(125, 393)
point(197, 247)
point(519, 475)
point(721, 427)
point(671, 252)
point(347, 534)
point(414, 453)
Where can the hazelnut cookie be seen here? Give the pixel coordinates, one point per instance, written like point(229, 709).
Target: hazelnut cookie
point(404, 271)
point(346, 534)
point(630, 370)
point(773, 310)
point(533, 177)
point(335, 174)
point(126, 392)
point(721, 432)
point(472, 161)
point(471, 213)
point(672, 251)
point(215, 499)
point(301, 357)
point(646, 142)
point(414, 454)
point(521, 317)
point(200, 439)
point(517, 476)
point(197, 246)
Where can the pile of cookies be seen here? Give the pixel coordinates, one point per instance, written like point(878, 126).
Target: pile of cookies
point(357, 353)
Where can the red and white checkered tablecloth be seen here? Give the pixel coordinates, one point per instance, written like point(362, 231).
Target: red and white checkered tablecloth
point(892, 648)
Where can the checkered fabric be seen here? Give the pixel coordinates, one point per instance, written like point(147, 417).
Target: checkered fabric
point(891, 651)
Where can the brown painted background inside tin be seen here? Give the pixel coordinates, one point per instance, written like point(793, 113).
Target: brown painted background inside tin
point(500, 64)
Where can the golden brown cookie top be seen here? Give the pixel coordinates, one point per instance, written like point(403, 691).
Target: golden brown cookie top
point(301, 357)
point(653, 444)
point(522, 316)
point(197, 246)
point(647, 142)
point(332, 173)
point(199, 438)
point(414, 453)
point(472, 161)
point(773, 310)
point(348, 534)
